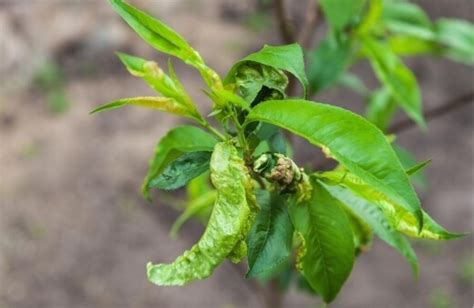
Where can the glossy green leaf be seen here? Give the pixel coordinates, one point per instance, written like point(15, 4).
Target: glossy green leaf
point(287, 58)
point(328, 62)
point(350, 139)
point(401, 219)
point(164, 39)
point(180, 140)
point(377, 221)
point(227, 226)
point(401, 82)
point(329, 252)
point(159, 103)
point(270, 239)
point(458, 37)
point(198, 206)
point(179, 172)
point(156, 33)
point(380, 108)
point(340, 13)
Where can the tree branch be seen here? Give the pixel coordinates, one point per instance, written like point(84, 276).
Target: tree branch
point(311, 21)
point(286, 29)
point(434, 113)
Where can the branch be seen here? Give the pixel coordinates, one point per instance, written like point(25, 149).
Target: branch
point(286, 29)
point(434, 113)
point(311, 21)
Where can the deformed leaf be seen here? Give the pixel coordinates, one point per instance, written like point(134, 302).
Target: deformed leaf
point(328, 254)
point(353, 141)
point(227, 227)
point(179, 140)
point(287, 58)
point(401, 219)
point(377, 221)
point(401, 82)
point(179, 172)
point(159, 103)
point(270, 239)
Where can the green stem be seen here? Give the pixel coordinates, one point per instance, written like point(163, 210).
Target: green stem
point(241, 135)
point(213, 130)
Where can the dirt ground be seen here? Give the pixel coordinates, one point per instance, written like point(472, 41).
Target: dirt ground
point(74, 231)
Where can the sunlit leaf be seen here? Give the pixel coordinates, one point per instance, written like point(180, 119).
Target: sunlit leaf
point(353, 141)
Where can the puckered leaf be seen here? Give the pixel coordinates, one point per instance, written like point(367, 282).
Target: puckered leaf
point(401, 82)
point(287, 58)
point(328, 62)
point(180, 140)
point(341, 12)
point(353, 141)
point(227, 226)
point(401, 219)
point(270, 239)
point(179, 172)
point(328, 254)
point(159, 103)
point(377, 221)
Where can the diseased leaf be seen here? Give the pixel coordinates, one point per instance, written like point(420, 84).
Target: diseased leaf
point(373, 216)
point(328, 62)
point(180, 140)
point(287, 58)
point(179, 172)
point(401, 82)
point(341, 12)
point(160, 103)
point(227, 227)
point(270, 239)
point(328, 256)
point(380, 108)
point(401, 219)
point(353, 141)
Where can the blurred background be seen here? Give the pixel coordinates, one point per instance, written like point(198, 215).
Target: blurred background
point(74, 231)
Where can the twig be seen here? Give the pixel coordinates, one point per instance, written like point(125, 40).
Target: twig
point(434, 113)
point(286, 29)
point(311, 21)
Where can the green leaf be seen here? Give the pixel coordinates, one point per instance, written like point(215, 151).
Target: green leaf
point(407, 18)
point(458, 37)
point(197, 206)
point(328, 254)
point(287, 58)
point(411, 46)
point(401, 82)
point(328, 62)
point(159, 103)
point(418, 167)
point(270, 239)
point(401, 219)
point(156, 33)
point(350, 139)
point(354, 83)
point(179, 172)
point(380, 108)
point(340, 13)
point(361, 231)
point(227, 227)
point(180, 140)
point(165, 39)
point(377, 221)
